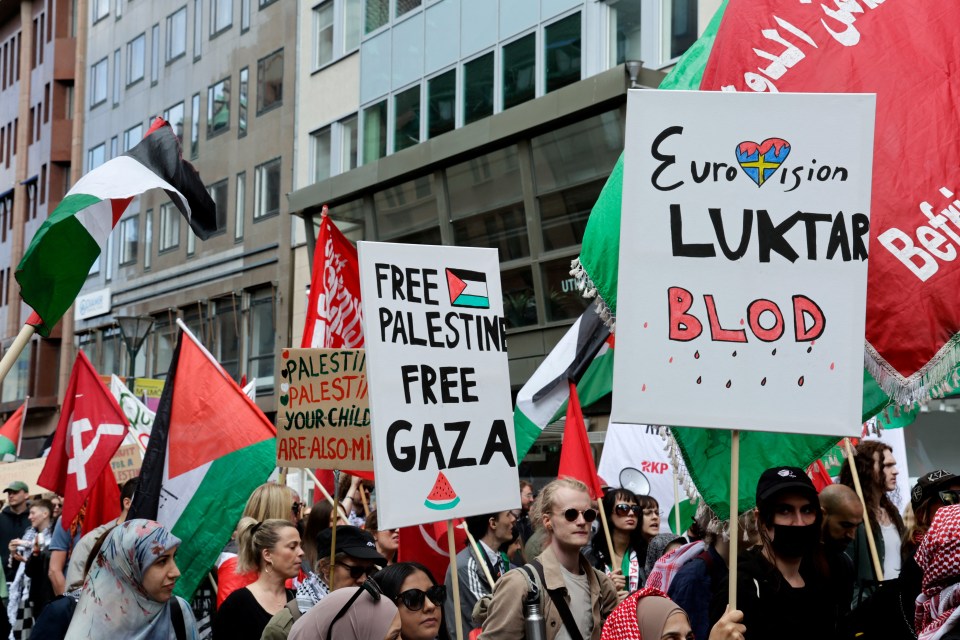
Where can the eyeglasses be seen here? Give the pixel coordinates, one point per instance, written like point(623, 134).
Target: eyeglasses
point(414, 599)
point(653, 512)
point(370, 587)
point(950, 497)
point(572, 514)
point(623, 509)
point(297, 506)
point(357, 570)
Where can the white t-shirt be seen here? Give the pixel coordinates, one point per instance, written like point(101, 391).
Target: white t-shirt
point(891, 551)
point(581, 608)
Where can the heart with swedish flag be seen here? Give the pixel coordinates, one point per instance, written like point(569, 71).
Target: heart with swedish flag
point(761, 161)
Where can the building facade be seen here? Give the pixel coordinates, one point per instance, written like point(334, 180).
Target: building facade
point(222, 73)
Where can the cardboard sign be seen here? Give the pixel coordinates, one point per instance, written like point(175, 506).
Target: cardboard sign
point(140, 416)
point(126, 462)
point(746, 222)
point(323, 418)
point(442, 422)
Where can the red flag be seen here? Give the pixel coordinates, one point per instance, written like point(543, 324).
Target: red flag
point(103, 504)
point(427, 544)
point(333, 310)
point(90, 431)
point(818, 474)
point(576, 457)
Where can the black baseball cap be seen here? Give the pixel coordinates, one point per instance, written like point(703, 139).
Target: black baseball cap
point(780, 479)
point(929, 484)
point(352, 541)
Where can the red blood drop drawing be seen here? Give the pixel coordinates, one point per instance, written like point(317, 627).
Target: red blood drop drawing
point(741, 322)
point(831, 366)
point(286, 354)
point(644, 325)
point(813, 342)
point(728, 384)
point(800, 382)
point(696, 356)
point(763, 382)
point(699, 379)
point(643, 388)
point(670, 360)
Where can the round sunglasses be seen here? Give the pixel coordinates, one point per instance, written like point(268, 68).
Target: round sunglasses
point(949, 496)
point(572, 514)
point(414, 599)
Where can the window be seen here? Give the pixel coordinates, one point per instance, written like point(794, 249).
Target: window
point(98, 83)
point(352, 22)
point(218, 107)
point(322, 146)
point(679, 27)
point(241, 203)
point(113, 147)
point(262, 337)
point(227, 335)
point(100, 9)
point(119, 11)
point(155, 54)
point(408, 212)
point(218, 193)
point(164, 336)
point(323, 30)
point(221, 16)
point(176, 34)
point(405, 6)
point(191, 242)
point(136, 58)
point(195, 126)
point(129, 230)
point(625, 34)
point(169, 227)
point(148, 240)
point(174, 115)
point(348, 143)
point(562, 52)
point(132, 136)
point(377, 14)
point(375, 132)
point(96, 156)
point(406, 109)
point(478, 88)
point(266, 189)
point(441, 103)
point(519, 71)
point(197, 29)
point(116, 77)
point(266, 3)
point(242, 105)
point(270, 81)
point(244, 15)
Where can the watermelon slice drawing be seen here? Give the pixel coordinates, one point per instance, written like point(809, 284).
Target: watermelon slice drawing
point(442, 496)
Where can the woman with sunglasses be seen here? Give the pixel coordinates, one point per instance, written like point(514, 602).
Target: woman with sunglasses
point(625, 561)
point(272, 550)
point(351, 613)
point(411, 586)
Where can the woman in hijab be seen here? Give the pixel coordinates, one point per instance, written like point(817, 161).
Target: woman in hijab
point(938, 606)
point(129, 590)
point(659, 546)
point(345, 614)
point(648, 614)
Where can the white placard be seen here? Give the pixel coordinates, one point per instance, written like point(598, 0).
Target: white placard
point(744, 231)
point(441, 415)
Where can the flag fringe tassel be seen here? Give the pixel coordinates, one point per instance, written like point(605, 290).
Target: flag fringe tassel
point(588, 289)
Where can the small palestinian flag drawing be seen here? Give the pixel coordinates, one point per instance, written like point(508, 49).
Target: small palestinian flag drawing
point(442, 496)
point(468, 288)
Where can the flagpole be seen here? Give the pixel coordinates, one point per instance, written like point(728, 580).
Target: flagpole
point(734, 514)
point(335, 515)
point(676, 502)
point(606, 532)
point(23, 423)
point(871, 543)
point(483, 563)
point(16, 348)
point(452, 548)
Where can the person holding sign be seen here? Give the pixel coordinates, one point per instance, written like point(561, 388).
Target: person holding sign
point(781, 587)
point(625, 514)
point(564, 510)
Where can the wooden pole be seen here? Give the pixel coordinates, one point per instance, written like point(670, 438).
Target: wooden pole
point(322, 488)
point(363, 499)
point(871, 543)
point(676, 503)
point(213, 583)
point(484, 564)
point(734, 527)
point(606, 532)
point(452, 548)
point(16, 348)
point(336, 515)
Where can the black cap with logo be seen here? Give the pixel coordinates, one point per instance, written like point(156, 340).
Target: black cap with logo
point(929, 484)
point(780, 479)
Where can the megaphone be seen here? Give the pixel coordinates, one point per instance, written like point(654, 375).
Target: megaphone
point(634, 480)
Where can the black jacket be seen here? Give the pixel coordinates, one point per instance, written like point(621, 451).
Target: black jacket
point(12, 525)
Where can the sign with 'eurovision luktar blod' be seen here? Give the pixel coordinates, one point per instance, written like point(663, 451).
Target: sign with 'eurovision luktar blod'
point(743, 261)
point(323, 415)
point(442, 421)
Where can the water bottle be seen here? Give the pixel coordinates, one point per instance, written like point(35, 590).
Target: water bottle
point(534, 622)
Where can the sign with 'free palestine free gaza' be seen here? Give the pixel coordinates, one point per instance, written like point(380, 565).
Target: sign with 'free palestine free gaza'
point(442, 421)
point(745, 226)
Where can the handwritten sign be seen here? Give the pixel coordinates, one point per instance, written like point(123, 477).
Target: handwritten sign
point(746, 220)
point(442, 420)
point(323, 415)
point(126, 462)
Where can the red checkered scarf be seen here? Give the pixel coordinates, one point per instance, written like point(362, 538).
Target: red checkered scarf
point(667, 566)
point(938, 606)
point(622, 622)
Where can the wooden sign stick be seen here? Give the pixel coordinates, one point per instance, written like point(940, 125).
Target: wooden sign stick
point(871, 543)
point(452, 549)
point(484, 564)
point(734, 513)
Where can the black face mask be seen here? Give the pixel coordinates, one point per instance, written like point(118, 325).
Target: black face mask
point(795, 542)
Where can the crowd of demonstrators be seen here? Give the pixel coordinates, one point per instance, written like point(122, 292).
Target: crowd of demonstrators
point(30, 591)
point(624, 562)
point(350, 500)
point(351, 613)
point(938, 557)
point(419, 600)
point(475, 563)
point(14, 520)
point(388, 540)
point(660, 545)
point(649, 613)
point(877, 471)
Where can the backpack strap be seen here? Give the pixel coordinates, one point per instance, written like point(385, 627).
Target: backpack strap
point(563, 609)
point(294, 609)
point(176, 619)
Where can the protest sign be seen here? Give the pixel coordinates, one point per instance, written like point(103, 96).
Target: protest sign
point(323, 418)
point(746, 220)
point(149, 390)
point(442, 421)
point(126, 462)
point(140, 416)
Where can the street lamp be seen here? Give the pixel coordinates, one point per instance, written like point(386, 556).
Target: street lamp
point(134, 330)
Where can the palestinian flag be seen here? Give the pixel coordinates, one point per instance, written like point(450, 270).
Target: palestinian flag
point(210, 447)
point(583, 355)
point(11, 434)
point(56, 264)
